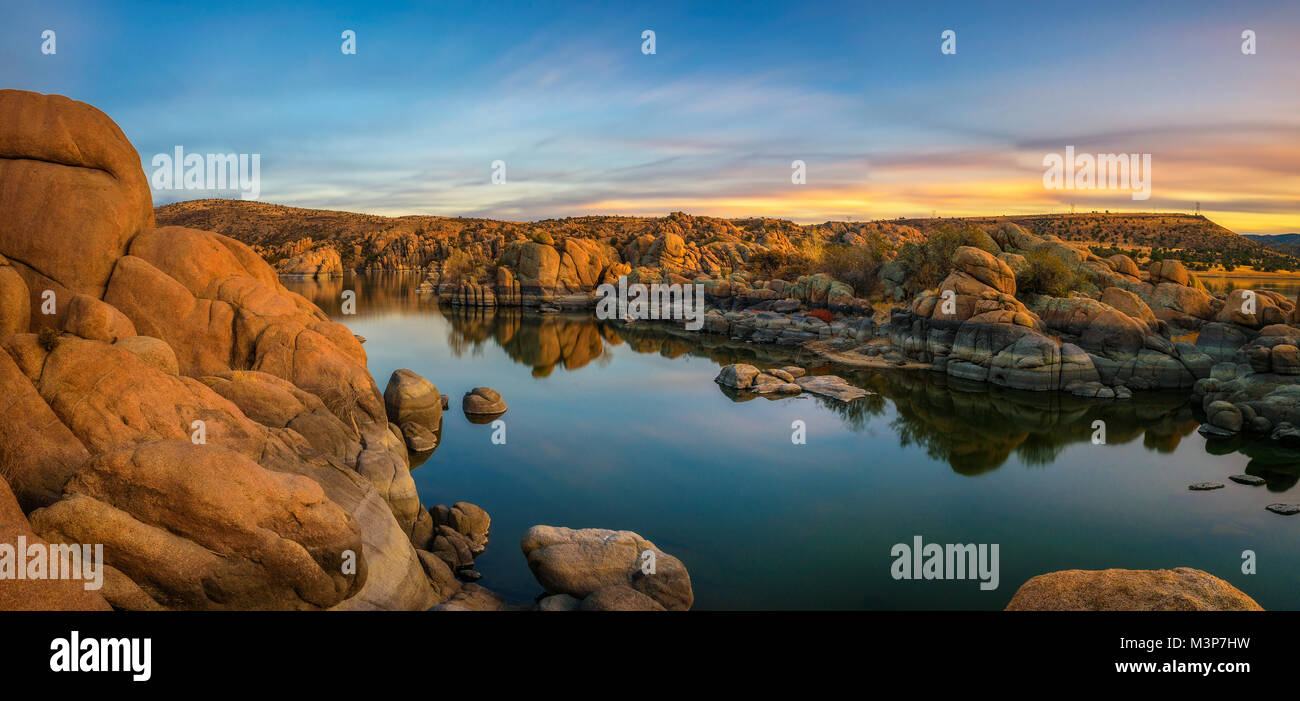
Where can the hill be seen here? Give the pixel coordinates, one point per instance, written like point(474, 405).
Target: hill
point(1285, 243)
point(366, 241)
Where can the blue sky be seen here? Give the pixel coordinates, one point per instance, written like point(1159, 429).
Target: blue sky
point(586, 123)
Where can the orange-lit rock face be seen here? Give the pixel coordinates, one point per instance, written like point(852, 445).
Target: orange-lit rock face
point(148, 359)
point(72, 193)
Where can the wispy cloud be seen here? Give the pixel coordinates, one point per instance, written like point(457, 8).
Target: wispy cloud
point(587, 124)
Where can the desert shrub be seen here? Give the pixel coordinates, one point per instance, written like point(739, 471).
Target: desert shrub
point(1045, 274)
point(856, 265)
point(823, 314)
point(804, 258)
point(459, 266)
point(929, 262)
point(48, 338)
point(543, 238)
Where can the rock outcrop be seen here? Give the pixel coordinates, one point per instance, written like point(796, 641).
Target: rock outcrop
point(1179, 589)
point(39, 594)
point(217, 433)
point(607, 570)
point(317, 263)
point(415, 406)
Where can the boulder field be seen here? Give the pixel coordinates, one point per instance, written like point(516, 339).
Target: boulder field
point(167, 398)
point(1120, 328)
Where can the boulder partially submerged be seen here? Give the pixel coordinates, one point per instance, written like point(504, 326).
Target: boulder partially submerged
point(483, 403)
point(607, 570)
point(784, 382)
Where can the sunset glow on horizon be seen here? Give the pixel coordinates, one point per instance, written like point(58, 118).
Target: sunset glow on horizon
point(711, 122)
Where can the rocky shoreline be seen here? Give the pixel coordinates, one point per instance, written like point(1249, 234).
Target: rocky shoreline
point(168, 398)
point(1136, 330)
point(221, 438)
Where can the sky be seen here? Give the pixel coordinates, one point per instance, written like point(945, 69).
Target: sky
point(710, 123)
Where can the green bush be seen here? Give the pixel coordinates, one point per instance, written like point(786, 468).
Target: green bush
point(804, 259)
point(929, 262)
point(1045, 274)
point(856, 265)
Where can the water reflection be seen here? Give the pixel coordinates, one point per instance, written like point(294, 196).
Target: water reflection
point(975, 428)
point(1279, 466)
point(1285, 286)
point(972, 427)
point(621, 426)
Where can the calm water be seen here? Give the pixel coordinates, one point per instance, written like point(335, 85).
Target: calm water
point(1287, 287)
point(625, 429)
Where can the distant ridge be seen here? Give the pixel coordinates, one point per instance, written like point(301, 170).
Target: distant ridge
point(1284, 243)
point(275, 230)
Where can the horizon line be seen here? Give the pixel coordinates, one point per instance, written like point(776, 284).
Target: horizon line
point(745, 218)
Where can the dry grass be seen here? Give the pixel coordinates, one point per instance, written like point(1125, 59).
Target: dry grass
point(341, 400)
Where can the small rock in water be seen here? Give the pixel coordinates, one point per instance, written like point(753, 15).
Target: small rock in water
point(1248, 479)
point(832, 386)
point(483, 401)
point(781, 375)
point(1210, 430)
point(1284, 509)
point(1205, 486)
point(418, 438)
point(445, 401)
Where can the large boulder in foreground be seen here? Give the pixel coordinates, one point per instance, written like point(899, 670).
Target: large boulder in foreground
point(204, 527)
point(73, 195)
point(1169, 270)
point(604, 564)
point(1179, 589)
point(986, 268)
point(38, 594)
point(412, 398)
point(168, 336)
point(39, 451)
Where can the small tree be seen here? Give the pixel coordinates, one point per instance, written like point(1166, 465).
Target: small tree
point(929, 262)
point(1045, 274)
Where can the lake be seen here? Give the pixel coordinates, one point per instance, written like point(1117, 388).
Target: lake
point(1286, 286)
point(622, 427)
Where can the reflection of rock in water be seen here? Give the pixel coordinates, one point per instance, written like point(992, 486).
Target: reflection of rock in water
point(856, 413)
point(418, 459)
point(539, 341)
point(1278, 466)
point(375, 293)
point(976, 427)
